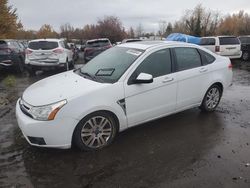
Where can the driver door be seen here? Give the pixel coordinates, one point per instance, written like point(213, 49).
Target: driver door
point(149, 101)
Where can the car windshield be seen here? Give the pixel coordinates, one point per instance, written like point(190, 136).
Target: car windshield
point(99, 43)
point(43, 45)
point(110, 65)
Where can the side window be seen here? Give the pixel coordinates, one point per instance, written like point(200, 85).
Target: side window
point(62, 44)
point(187, 58)
point(157, 64)
point(66, 45)
point(206, 57)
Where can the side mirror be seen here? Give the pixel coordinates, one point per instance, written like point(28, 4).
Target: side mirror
point(143, 78)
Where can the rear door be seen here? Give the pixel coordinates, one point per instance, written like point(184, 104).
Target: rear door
point(229, 46)
point(193, 78)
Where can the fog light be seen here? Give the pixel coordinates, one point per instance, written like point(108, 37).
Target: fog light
point(36, 140)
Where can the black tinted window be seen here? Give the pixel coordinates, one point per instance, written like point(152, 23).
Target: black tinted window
point(207, 41)
point(156, 64)
point(43, 45)
point(98, 43)
point(229, 40)
point(206, 57)
point(245, 40)
point(187, 58)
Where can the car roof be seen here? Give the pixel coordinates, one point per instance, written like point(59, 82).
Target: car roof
point(219, 36)
point(101, 39)
point(144, 45)
point(51, 40)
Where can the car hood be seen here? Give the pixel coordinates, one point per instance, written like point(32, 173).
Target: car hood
point(62, 86)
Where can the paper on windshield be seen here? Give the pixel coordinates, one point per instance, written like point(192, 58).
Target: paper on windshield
point(134, 52)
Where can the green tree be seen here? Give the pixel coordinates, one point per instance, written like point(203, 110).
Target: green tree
point(8, 20)
point(46, 31)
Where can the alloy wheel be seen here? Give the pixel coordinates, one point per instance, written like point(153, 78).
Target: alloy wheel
point(96, 132)
point(212, 98)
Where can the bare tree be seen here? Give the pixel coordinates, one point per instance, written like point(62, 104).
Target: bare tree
point(66, 31)
point(162, 28)
point(139, 30)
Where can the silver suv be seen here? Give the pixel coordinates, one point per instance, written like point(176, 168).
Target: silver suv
point(43, 54)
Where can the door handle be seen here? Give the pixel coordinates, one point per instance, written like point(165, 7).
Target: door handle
point(203, 70)
point(167, 80)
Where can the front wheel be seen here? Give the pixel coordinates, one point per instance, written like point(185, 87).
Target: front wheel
point(211, 99)
point(20, 66)
point(95, 131)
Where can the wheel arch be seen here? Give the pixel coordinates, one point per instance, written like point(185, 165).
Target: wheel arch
point(220, 85)
point(91, 113)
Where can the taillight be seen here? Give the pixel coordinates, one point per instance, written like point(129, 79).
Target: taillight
point(86, 50)
point(27, 52)
point(109, 46)
point(230, 66)
point(217, 48)
point(58, 51)
point(6, 50)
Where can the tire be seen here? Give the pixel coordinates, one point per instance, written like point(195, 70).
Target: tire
point(72, 64)
point(20, 66)
point(95, 131)
point(31, 70)
point(211, 99)
point(245, 56)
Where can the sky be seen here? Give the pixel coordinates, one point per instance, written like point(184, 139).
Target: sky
point(34, 13)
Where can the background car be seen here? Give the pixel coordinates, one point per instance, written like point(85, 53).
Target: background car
point(245, 47)
point(228, 46)
point(43, 54)
point(95, 47)
point(12, 55)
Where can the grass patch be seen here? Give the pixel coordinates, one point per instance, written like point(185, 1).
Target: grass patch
point(9, 81)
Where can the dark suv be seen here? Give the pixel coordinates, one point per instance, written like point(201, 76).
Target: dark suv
point(245, 47)
point(95, 47)
point(11, 55)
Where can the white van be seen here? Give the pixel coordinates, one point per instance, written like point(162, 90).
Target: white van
point(223, 45)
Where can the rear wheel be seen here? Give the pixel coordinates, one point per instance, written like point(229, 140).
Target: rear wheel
point(211, 99)
point(20, 66)
point(245, 56)
point(95, 131)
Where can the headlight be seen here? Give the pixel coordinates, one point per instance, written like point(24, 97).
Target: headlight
point(47, 112)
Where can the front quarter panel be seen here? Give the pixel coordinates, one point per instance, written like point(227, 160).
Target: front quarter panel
point(104, 98)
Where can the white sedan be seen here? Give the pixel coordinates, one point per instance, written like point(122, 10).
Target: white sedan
point(127, 85)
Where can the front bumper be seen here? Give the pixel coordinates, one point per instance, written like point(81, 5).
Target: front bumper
point(56, 133)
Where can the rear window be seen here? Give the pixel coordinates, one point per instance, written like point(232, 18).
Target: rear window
point(98, 43)
point(3, 43)
point(207, 41)
point(43, 45)
point(229, 40)
point(245, 40)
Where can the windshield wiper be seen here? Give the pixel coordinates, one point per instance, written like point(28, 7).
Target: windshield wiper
point(85, 74)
